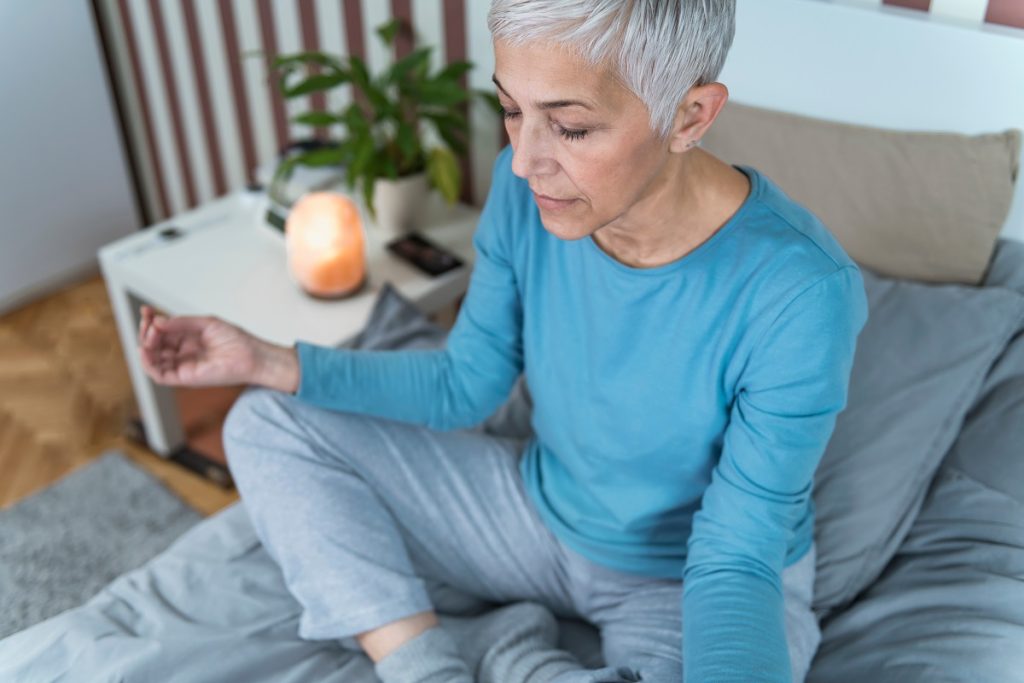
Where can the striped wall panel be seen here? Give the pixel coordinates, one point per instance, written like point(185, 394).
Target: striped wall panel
point(998, 12)
point(201, 116)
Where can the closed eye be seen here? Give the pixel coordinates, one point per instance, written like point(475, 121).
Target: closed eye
point(567, 133)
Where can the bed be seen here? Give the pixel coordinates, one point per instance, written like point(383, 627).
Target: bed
point(920, 494)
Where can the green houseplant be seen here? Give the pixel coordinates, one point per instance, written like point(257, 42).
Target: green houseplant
point(386, 125)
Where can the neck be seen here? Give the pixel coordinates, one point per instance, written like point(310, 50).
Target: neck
point(691, 196)
point(667, 221)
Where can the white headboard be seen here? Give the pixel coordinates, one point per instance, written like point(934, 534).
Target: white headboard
point(882, 66)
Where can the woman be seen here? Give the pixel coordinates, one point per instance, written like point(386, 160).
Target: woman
point(687, 333)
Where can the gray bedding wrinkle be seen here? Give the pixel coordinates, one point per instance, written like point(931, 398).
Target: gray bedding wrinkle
point(950, 605)
point(921, 361)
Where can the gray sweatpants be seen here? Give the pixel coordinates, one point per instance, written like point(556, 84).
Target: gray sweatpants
point(372, 520)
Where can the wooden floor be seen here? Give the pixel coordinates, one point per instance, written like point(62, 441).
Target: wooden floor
point(65, 398)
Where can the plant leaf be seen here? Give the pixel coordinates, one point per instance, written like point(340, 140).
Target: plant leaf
point(408, 142)
point(360, 74)
point(300, 58)
point(386, 166)
point(362, 157)
point(452, 129)
point(315, 83)
point(354, 119)
point(313, 64)
point(361, 77)
point(284, 169)
point(441, 93)
point(316, 118)
point(414, 62)
point(454, 71)
point(451, 118)
point(388, 30)
point(367, 180)
point(324, 156)
point(443, 172)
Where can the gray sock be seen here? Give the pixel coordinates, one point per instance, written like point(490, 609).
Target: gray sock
point(518, 644)
point(532, 662)
point(511, 644)
point(430, 657)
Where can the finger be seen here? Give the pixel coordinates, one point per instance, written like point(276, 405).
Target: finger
point(168, 371)
point(167, 339)
point(185, 324)
point(145, 315)
point(155, 334)
point(150, 367)
point(174, 339)
point(175, 356)
point(151, 339)
point(156, 354)
point(151, 356)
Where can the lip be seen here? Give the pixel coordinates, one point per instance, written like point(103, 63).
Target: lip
point(552, 204)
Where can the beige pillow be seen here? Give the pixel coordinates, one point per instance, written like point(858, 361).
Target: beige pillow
point(917, 205)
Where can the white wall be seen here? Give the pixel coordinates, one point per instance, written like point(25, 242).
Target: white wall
point(64, 184)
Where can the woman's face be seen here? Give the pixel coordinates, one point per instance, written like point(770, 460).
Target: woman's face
point(578, 135)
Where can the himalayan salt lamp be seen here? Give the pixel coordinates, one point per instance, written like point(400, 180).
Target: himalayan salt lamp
point(325, 245)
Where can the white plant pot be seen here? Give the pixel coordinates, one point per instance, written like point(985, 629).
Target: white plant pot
point(399, 204)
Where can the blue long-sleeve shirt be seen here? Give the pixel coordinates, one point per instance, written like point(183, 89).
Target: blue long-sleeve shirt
point(679, 411)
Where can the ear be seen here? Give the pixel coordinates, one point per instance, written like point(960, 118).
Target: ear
point(695, 115)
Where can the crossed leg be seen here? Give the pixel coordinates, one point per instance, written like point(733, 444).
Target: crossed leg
point(373, 521)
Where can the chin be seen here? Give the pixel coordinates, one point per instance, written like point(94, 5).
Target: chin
point(565, 228)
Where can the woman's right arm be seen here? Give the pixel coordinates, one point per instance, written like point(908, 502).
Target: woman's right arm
point(279, 368)
point(454, 387)
point(208, 351)
point(457, 386)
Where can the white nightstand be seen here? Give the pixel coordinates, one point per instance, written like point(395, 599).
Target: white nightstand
point(223, 259)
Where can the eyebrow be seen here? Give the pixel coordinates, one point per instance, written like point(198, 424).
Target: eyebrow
point(554, 104)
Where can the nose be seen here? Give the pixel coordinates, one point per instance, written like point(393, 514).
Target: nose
point(531, 155)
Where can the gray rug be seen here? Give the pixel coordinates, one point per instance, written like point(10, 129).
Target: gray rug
point(60, 546)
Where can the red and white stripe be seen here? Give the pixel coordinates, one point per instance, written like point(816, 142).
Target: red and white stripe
point(201, 116)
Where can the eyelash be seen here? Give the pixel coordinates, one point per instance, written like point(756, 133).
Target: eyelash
point(567, 133)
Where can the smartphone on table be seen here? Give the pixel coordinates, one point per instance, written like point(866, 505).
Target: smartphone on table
point(431, 258)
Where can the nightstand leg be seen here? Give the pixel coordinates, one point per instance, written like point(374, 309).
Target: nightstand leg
point(159, 412)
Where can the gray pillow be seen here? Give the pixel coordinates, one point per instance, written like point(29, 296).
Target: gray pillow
point(920, 363)
point(950, 605)
point(1007, 266)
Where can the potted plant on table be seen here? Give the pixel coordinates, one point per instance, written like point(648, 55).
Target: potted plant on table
point(385, 151)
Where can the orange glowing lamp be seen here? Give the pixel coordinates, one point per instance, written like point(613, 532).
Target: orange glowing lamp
point(325, 245)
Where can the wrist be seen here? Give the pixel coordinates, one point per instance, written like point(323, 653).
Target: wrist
point(278, 368)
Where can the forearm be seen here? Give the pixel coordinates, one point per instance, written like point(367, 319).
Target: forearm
point(734, 629)
point(421, 386)
point(277, 367)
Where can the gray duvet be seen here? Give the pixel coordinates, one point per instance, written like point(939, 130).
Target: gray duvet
point(946, 603)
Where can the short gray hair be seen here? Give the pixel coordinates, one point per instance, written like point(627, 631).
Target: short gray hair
point(658, 49)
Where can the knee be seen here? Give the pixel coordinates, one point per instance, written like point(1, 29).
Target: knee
point(252, 413)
